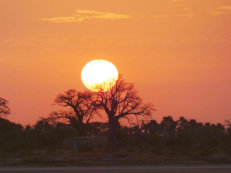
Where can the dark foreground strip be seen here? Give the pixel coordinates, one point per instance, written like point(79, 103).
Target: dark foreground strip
point(118, 168)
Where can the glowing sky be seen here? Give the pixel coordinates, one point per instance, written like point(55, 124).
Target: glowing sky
point(177, 52)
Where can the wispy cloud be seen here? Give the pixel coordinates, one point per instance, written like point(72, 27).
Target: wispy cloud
point(174, 15)
point(62, 19)
point(82, 15)
point(225, 7)
point(220, 10)
point(216, 13)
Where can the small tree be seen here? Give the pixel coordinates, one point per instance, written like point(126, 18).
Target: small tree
point(4, 109)
point(151, 128)
point(82, 106)
point(120, 101)
point(168, 126)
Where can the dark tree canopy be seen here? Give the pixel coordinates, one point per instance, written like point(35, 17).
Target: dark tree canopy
point(169, 126)
point(81, 104)
point(151, 128)
point(4, 109)
point(121, 101)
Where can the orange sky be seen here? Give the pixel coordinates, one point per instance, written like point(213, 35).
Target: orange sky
point(177, 52)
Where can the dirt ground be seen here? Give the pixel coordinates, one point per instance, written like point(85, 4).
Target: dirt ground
point(120, 169)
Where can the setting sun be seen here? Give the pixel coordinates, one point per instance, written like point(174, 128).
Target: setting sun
point(99, 73)
point(83, 80)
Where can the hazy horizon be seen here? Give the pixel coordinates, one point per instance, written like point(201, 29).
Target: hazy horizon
point(176, 52)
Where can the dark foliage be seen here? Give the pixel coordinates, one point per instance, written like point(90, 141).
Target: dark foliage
point(82, 109)
point(169, 137)
point(120, 102)
point(4, 109)
point(11, 136)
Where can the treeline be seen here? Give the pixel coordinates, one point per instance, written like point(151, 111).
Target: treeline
point(118, 104)
point(169, 137)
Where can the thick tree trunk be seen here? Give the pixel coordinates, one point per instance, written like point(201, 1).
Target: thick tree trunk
point(113, 127)
point(82, 129)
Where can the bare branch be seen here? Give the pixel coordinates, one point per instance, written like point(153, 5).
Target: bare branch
point(4, 109)
point(121, 101)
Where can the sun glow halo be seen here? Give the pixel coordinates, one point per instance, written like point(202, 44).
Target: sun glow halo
point(99, 73)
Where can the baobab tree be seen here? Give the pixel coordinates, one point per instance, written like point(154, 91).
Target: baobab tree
point(82, 106)
point(120, 101)
point(4, 109)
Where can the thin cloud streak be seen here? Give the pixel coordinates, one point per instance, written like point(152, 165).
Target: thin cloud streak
point(226, 7)
point(82, 15)
point(63, 19)
point(216, 13)
point(220, 10)
point(175, 15)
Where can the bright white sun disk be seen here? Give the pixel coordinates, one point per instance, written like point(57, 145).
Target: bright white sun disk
point(99, 73)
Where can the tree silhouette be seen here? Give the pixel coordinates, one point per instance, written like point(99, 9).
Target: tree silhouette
point(120, 101)
point(168, 126)
point(48, 133)
point(4, 109)
point(82, 107)
point(151, 128)
point(182, 124)
point(228, 126)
